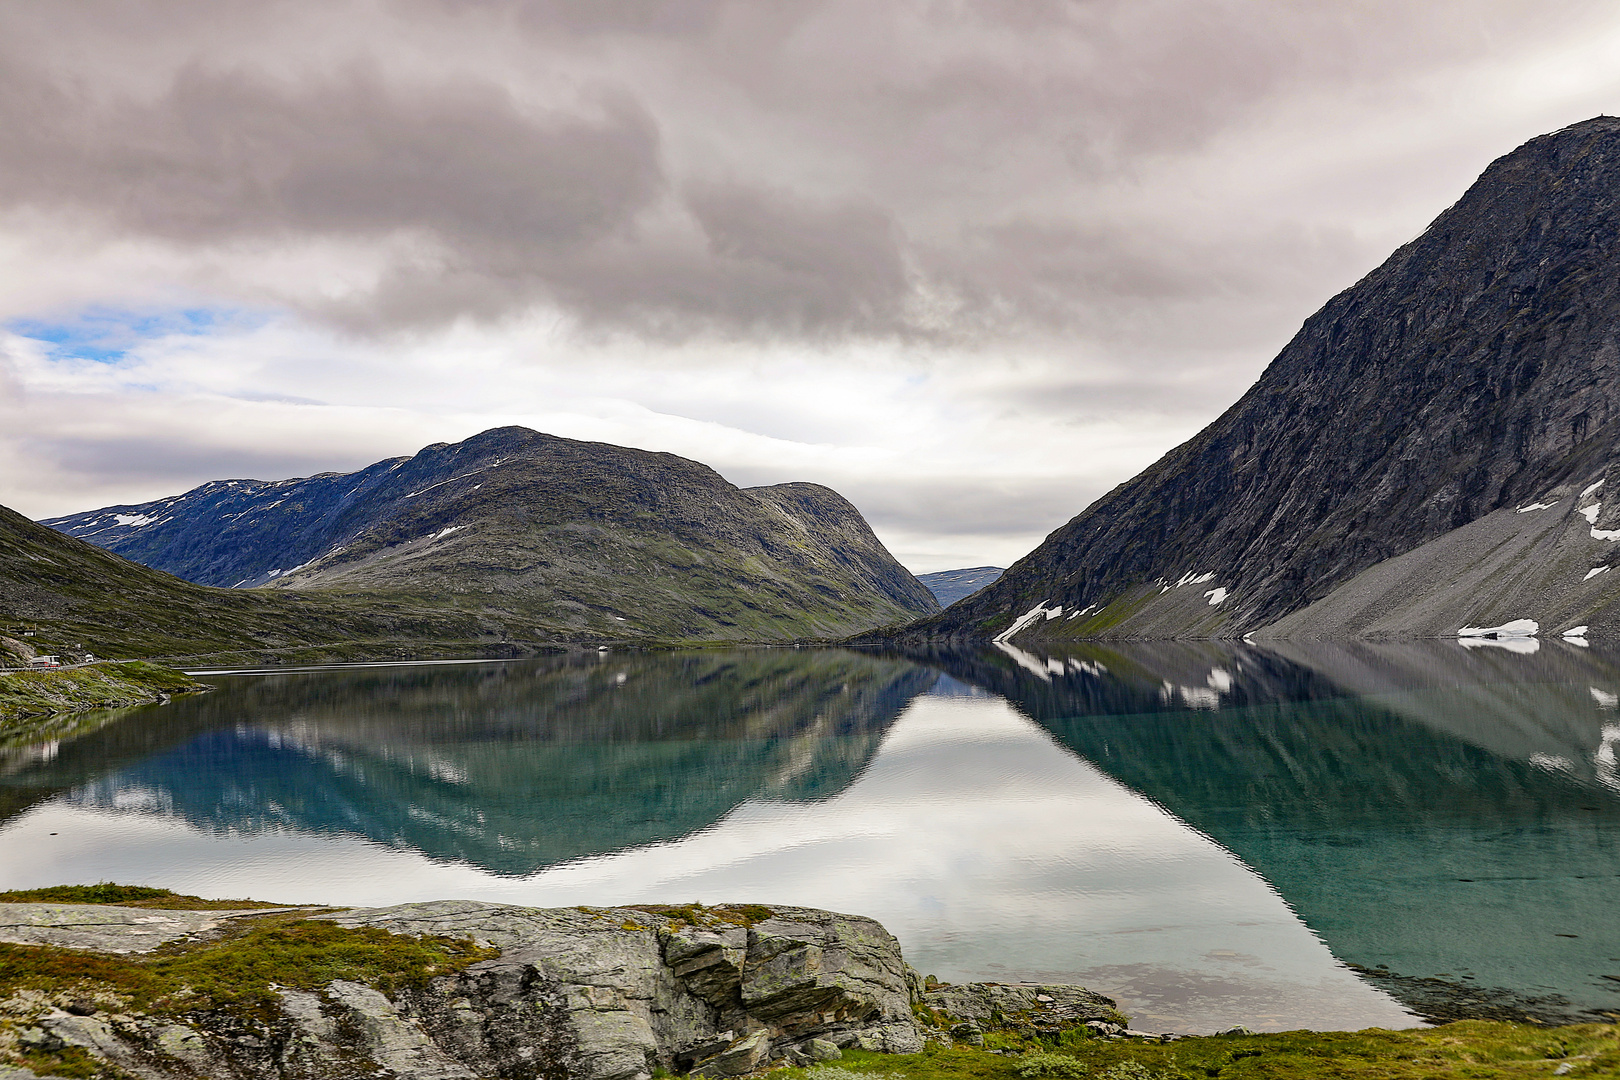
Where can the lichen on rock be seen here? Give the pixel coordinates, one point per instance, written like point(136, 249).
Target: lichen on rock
point(527, 994)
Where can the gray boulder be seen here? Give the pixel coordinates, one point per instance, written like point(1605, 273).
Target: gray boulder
point(575, 994)
point(611, 993)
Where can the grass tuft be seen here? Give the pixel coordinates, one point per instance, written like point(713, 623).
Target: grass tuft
point(239, 973)
point(141, 896)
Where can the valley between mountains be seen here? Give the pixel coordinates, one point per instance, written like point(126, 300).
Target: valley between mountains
point(505, 543)
point(1437, 451)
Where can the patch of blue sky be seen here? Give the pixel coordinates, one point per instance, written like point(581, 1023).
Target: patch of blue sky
point(106, 334)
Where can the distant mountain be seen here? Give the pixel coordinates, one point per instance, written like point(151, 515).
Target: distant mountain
point(949, 586)
point(1437, 448)
point(554, 535)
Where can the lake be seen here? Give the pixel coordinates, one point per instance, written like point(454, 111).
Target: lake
point(1282, 836)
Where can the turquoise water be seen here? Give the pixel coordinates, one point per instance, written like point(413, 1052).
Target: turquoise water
point(1213, 835)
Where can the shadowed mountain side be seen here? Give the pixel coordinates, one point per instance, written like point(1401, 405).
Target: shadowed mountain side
point(512, 767)
point(1476, 370)
point(949, 586)
point(76, 593)
point(1416, 808)
point(585, 538)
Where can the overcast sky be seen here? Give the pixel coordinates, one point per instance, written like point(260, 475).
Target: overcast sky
point(971, 264)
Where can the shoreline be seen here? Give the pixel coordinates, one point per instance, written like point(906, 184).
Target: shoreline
point(39, 695)
point(138, 979)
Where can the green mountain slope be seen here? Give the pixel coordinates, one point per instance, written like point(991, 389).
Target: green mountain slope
point(510, 537)
point(77, 596)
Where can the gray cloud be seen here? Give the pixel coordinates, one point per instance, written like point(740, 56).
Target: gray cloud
point(1085, 222)
point(920, 170)
point(160, 460)
point(225, 156)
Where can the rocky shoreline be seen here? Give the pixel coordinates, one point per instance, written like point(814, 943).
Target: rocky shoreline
point(31, 695)
point(587, 993)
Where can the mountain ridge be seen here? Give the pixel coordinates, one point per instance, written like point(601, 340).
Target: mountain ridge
point(588, 538)
point(1474, 370)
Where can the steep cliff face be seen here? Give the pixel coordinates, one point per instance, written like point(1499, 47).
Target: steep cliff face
point(582, 536)
point(1477, 370)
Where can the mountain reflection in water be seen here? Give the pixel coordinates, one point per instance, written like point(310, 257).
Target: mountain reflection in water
point(508, 767)
point(1429, 810)
point(1186, 826)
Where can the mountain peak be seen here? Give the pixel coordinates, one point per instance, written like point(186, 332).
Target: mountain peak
point(1476, 369)
point(579, 537)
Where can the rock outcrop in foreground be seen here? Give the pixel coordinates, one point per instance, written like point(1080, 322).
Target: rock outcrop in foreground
point(587, 993)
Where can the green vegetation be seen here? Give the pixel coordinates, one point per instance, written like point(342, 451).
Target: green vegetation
point(138, 896)
point(99, 686)
point(236, 972)
point(1472, 1049)
point(699, 915)
point(69, 1062)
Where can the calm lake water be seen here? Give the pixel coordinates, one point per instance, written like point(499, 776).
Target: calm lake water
point(1213, 835)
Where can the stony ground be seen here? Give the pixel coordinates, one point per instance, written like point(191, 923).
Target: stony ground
point(116, 982)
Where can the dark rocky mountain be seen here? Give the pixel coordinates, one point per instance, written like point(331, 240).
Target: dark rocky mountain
point(949, 586)
point(1472, 376)
point(558, 536)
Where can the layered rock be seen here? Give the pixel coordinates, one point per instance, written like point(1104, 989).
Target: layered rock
point(574, 994)
point(610, 993)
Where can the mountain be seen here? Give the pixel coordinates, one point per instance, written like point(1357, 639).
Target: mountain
point(1430, 452)
point(949, 586)
point(77, 597)
point(554, 535)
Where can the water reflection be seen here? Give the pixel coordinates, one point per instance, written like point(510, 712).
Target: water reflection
point(1428, 810)
point(1193, 827)
point(508, 767)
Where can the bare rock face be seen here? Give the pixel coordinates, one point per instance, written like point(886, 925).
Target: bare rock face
point(108, 927)
point(575, 994)
point(1476, 371)
point(984, 1006)
point(611, 993)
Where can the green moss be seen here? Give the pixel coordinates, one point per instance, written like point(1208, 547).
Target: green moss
point(1472, 1049)
point(99, 686)
point(141, 896)
point(237, 972)
point(69, 1062)
point(699, 915)
point(1046, 1063)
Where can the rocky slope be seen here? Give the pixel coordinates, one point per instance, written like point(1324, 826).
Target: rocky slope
point(1474, 373)
point(584, 537)
point(949, 586)
point(79, 598)
point(96, 686)
point(577, 993)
